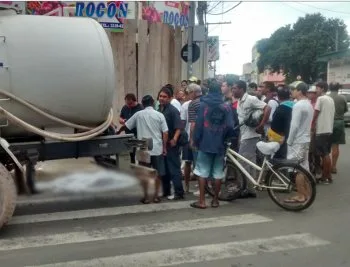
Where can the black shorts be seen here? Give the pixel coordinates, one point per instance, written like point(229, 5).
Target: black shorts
point(338, 136)
point(157, 163)
point(187, 154)
point(323, 144)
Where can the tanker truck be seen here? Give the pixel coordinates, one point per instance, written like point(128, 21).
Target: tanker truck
point(57, 87)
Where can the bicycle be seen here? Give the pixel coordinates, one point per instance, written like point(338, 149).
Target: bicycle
point(236, 178)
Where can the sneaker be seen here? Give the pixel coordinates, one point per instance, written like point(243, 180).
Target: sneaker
point(175, 197)
point(196, 193)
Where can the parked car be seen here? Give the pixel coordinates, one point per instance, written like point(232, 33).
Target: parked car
point(346, 93)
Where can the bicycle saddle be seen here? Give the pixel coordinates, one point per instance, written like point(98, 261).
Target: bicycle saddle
point(268, 148)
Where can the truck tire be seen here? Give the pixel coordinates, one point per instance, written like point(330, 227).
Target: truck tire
point(8, 196)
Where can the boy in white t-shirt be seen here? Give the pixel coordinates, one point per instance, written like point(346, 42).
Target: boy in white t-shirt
point(323, 125)
point(299, 137)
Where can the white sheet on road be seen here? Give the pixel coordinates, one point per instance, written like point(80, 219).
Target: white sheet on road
point(80, 182)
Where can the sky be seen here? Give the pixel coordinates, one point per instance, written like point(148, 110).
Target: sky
point(256, 20)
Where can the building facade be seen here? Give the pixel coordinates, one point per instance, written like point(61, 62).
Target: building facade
point(255, 77)
point(338, 67)
point(247, 71)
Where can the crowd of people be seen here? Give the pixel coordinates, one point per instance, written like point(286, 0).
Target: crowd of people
point(191, 125)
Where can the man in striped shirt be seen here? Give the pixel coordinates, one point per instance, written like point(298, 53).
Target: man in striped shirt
point(193, 109)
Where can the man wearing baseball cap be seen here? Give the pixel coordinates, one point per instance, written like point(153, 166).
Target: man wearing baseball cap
point(193, 79)
point(311, 94)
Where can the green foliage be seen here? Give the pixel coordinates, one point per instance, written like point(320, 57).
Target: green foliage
point(295, 49)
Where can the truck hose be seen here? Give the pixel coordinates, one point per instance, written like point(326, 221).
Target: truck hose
point(88, 134)
point(43, 113)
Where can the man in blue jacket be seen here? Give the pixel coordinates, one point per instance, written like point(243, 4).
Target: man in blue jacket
point(214, 125)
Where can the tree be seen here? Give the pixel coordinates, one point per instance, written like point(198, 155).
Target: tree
point(295, 49)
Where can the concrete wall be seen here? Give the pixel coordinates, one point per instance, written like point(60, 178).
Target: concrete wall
point(247, 68)
point(339, 71)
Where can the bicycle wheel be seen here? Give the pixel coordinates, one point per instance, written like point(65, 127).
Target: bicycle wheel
point(231, 187)
point(288, 172)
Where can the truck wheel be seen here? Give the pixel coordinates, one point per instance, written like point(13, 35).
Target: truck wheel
point(8, 196)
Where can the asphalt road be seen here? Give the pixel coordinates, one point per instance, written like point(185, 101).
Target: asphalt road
point(114, 230)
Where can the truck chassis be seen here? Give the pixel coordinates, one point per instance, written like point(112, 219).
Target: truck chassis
point(27, 153)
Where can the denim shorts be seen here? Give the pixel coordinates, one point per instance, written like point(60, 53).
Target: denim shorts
point(209, 165)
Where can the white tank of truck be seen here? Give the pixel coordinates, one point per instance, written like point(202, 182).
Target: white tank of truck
point(63, 66)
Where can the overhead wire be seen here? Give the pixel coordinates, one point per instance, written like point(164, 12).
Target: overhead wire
point(297, 9)
point(211, 9)
point(224, 12)
point(320, 8)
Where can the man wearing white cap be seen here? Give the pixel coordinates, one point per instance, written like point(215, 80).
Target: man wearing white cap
point(312, 96)
point(313, 158)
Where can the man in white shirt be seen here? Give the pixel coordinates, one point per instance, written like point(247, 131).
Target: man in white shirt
point(299, 137)
point(249, 136)
point(323, 124)
point(151, 124)
point(174, 102)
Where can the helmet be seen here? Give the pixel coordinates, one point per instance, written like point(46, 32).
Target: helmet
point(254, 118)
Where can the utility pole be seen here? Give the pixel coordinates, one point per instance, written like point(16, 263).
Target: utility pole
point(336, 40)
point(206, 41)
point(204, 54)
point(191, 20)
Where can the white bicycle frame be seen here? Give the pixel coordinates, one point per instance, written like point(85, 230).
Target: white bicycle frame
point(266, 165)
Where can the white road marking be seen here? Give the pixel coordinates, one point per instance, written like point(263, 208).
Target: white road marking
point(205, 253)
point(129, 231)
point(93, 213)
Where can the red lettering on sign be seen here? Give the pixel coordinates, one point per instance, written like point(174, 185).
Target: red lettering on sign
point(172, 4)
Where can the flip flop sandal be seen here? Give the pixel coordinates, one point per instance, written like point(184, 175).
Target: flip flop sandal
point(321, 180)
point(197, 206)
point(293, 200)
point(325, 181)
point(145, 201)
point(156, 199)
point(215, 204)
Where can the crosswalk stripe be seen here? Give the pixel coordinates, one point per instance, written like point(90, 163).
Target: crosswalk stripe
point(33, 200)
point(102, 212)
point(204, 253)
point(129, 231)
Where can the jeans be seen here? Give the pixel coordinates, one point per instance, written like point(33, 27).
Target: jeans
point(133, 156)
point(173, 172)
